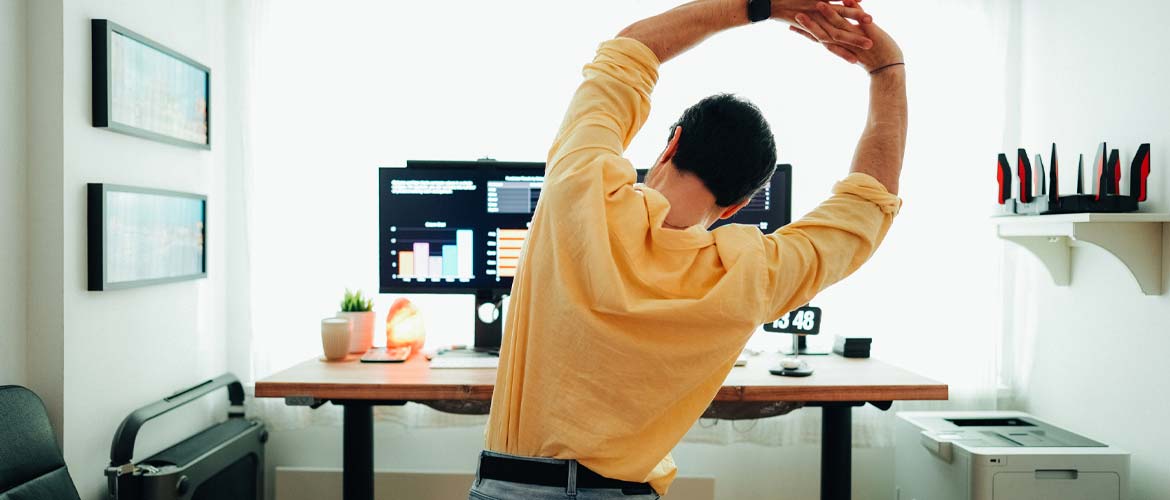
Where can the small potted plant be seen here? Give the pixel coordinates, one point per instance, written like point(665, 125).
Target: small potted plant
point(360, 313)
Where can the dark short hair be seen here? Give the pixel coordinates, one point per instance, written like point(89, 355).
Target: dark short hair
point(726, 143)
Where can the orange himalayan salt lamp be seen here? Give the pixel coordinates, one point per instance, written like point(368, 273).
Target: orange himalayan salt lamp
point(405, 327)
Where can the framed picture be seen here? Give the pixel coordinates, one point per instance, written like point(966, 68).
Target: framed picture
point(144, 89)
point(140, 237)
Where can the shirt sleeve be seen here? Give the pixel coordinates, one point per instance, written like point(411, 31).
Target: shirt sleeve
point(828, 244)
point(605, 114)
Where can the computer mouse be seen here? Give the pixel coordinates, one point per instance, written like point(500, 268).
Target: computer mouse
point(791, 363)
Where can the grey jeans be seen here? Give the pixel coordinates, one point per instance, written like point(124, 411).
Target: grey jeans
point(490, 489)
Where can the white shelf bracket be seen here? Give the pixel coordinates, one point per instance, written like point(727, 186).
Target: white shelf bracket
point(1053, 252)
point(1133, 239)
point(1138, 245)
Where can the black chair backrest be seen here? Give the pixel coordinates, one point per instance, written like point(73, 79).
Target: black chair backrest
point(31, 465)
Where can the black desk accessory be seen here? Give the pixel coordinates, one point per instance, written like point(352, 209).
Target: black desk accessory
point(799, 322)
point(852, 347)
point(1039, 191)
point(799, 369)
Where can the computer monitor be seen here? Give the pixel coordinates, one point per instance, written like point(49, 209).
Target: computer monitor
point(458, 227)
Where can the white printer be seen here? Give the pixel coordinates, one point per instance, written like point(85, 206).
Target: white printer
point(1002, 455)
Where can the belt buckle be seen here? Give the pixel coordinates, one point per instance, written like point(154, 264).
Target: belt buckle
point(641, 489)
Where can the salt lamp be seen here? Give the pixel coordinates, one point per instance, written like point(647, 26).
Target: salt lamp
point(405, 326)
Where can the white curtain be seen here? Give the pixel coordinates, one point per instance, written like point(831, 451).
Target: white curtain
point(342, 88)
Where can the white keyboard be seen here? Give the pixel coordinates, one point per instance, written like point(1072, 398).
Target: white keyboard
point(446, 362)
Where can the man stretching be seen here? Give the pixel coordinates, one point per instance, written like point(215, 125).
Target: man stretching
point(627, 314)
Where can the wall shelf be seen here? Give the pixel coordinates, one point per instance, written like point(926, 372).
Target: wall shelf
point(1135, 239)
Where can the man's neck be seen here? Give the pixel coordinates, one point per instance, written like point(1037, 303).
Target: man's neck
point(690, 201)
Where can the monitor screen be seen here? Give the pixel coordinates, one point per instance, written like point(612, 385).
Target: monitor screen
point(458, 227)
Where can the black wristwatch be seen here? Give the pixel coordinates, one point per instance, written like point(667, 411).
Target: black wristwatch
point(759, 10)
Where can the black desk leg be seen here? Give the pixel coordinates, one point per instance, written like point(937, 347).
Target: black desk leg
point(358, 452)
point(836, 451)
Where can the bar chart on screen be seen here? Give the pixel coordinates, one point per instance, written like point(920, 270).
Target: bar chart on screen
point(432, 253)
point(505, 256)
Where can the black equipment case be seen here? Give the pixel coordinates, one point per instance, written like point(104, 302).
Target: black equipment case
point(223, 462)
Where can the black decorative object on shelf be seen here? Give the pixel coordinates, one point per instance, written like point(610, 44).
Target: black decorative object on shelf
point(145, 89)
point(1039, 189)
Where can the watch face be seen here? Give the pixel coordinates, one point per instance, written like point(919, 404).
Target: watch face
point(759, 10)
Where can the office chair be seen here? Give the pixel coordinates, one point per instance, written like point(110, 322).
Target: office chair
point(31, 465)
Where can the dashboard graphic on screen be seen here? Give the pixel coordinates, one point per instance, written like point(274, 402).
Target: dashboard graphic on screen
point(459, 227)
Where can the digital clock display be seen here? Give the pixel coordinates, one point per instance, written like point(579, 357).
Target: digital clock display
point(805, 320)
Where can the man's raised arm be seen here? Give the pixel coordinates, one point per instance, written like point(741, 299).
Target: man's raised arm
point(613, 101)
point(837, 237)
point(883, 142)
point(673, 32)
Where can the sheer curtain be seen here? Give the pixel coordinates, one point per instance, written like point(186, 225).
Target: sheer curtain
point(339, 89)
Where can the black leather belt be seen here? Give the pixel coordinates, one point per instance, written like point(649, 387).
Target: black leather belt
point(552, 474)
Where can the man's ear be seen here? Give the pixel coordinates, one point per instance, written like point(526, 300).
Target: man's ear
point(671, 146)
point(732, 210)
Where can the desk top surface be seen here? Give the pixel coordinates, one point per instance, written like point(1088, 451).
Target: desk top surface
point(836, 379)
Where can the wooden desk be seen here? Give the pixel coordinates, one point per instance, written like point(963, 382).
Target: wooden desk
point(838, 385)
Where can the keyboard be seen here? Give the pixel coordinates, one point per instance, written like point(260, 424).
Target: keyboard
point(450, 362)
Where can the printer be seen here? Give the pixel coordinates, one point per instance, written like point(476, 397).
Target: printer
point(1001, 455)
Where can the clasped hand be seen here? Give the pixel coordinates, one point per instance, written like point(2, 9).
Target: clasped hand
point(844, 28)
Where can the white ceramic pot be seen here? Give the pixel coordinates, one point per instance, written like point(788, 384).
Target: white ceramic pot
point(361, 335)
point(335, 334)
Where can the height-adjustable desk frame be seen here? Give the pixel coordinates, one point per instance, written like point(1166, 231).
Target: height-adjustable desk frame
point(839, 385)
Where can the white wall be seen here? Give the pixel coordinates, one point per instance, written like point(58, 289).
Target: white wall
point(1092, 356)
point(13, 211)
point(161, 337)
point(100, 355)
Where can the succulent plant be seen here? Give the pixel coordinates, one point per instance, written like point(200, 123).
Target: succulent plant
point(354, 302)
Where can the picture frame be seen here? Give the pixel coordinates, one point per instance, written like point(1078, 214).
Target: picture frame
point(145, 89)
point(141, 237)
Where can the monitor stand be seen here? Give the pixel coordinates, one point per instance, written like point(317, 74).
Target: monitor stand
point(489, 325)
point(800, 346)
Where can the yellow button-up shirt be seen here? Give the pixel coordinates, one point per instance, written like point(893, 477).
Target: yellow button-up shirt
point(620, 331)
